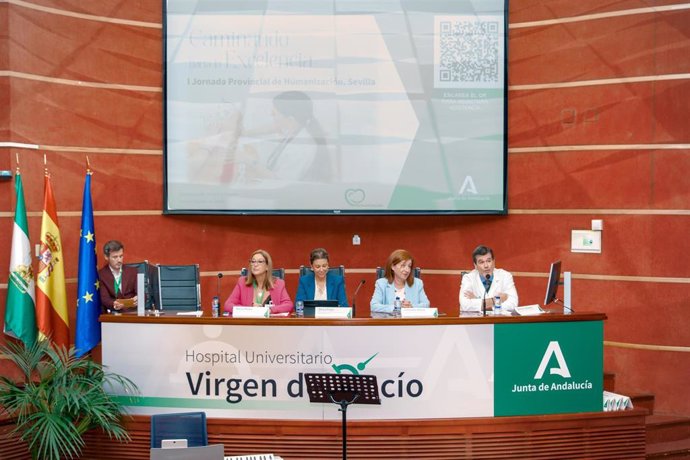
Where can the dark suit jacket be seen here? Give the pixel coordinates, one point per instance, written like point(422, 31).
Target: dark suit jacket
point(106, 288)
point(335, 288)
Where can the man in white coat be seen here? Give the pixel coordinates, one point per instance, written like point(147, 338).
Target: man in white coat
point(485, 282)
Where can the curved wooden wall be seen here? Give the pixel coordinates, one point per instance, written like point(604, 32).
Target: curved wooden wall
point(600, 436)
point(598, 128)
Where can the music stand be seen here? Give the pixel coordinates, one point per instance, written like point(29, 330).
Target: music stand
point(343, 390)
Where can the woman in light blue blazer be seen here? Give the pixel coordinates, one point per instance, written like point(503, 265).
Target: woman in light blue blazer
point(321, 284)
point(398, 281)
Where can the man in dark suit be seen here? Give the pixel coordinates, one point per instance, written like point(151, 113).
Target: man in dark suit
point(116, 281)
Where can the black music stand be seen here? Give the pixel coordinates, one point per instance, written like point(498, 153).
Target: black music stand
point(343, 390)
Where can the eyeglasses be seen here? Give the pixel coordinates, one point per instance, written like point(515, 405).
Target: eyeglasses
point(257, 262)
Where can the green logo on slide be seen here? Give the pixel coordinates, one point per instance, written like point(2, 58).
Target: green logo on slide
point(339, 368)
point(548, 368)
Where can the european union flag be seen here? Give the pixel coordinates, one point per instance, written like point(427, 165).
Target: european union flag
point(88, 333)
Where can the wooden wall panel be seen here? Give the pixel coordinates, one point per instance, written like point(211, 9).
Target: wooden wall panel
point(146, 11)
point(671, 185)
point(591, 436)
point(64, 115)
point(540, 10)
point(641, 190)
point(647, 371)
point(93, 51)
point(617, 114)
point(581, 179)
point(583, 51)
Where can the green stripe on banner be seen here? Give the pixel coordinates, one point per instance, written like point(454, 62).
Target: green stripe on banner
point(194, 403)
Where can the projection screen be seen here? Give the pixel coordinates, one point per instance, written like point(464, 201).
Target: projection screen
point(322, 107)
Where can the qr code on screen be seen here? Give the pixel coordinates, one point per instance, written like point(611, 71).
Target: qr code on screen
point(467, 52)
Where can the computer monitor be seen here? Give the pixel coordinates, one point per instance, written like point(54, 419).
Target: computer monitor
point(320, 303)
point(554, 279)
point(310, 306)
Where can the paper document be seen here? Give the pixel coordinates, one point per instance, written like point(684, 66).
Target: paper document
point(529, 310)
point(190, 313)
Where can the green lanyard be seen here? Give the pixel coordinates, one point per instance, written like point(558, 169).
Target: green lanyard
point(259, 296)
point(118, 283)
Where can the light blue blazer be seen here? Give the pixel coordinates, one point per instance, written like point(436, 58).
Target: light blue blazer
point(384, 295)
point(335, 288)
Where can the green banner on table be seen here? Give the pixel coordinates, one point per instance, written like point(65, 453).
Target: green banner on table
point(548, 368)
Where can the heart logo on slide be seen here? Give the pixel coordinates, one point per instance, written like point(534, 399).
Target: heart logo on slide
point(354, 196)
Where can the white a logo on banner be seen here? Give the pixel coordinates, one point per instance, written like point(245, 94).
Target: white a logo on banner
point(553, 349)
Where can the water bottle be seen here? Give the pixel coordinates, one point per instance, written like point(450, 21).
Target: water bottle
point(497, 306)
point(397, 307)
point(215, 306)
point(299, 309)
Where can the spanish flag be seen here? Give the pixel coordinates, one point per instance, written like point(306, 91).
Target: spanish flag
point(51, 299)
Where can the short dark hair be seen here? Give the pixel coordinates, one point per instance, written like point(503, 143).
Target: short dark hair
point(318, 253)
point(481, 250)
point(112, 245)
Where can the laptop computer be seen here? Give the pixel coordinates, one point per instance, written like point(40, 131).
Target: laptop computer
point(310, 306)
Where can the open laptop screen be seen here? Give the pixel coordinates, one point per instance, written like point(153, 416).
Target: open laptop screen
point(320, 303)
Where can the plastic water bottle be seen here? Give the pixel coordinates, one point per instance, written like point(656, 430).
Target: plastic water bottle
point(397, 307)
point(215, 306)
point(498, 311)
point(299, 309)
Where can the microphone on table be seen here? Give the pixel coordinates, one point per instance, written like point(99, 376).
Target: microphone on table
point(486, 291)
point(354, 296)
point(220, 275)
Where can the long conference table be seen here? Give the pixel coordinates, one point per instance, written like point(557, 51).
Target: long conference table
point(450, 387)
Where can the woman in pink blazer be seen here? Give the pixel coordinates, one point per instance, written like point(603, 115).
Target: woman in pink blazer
point(259, 287)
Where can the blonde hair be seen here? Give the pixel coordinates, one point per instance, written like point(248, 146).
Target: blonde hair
point(268, 282)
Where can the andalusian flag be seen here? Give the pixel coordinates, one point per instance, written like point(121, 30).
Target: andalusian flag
point(20, 314)
point(88, 332)
point(51, 300)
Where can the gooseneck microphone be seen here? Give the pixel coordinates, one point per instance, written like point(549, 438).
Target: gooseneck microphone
point(486, 291)
point(220, 275)
point(354, 296)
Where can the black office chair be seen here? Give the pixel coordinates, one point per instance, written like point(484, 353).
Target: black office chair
point(178, 287)
point(145, 268)
point(277, 272)
point(187, 425)
point(337, 270)
point(380, 272)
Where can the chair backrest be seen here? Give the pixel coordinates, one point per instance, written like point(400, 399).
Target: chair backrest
point(212, 452)
point(178, 287)
point(380, 272)
point(186, 425)
point(277, 272)
point(145, 268)
point(340, 270)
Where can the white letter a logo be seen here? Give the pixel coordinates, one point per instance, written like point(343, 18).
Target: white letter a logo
point(468, 186)
point(562, 369)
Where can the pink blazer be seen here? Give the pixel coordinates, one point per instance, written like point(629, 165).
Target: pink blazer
point(243, 295)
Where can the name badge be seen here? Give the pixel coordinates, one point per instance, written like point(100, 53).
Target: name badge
point(333, 312)
point(251, 312)
point(419, 312)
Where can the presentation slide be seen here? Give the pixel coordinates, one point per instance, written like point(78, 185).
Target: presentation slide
point(327, 107)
